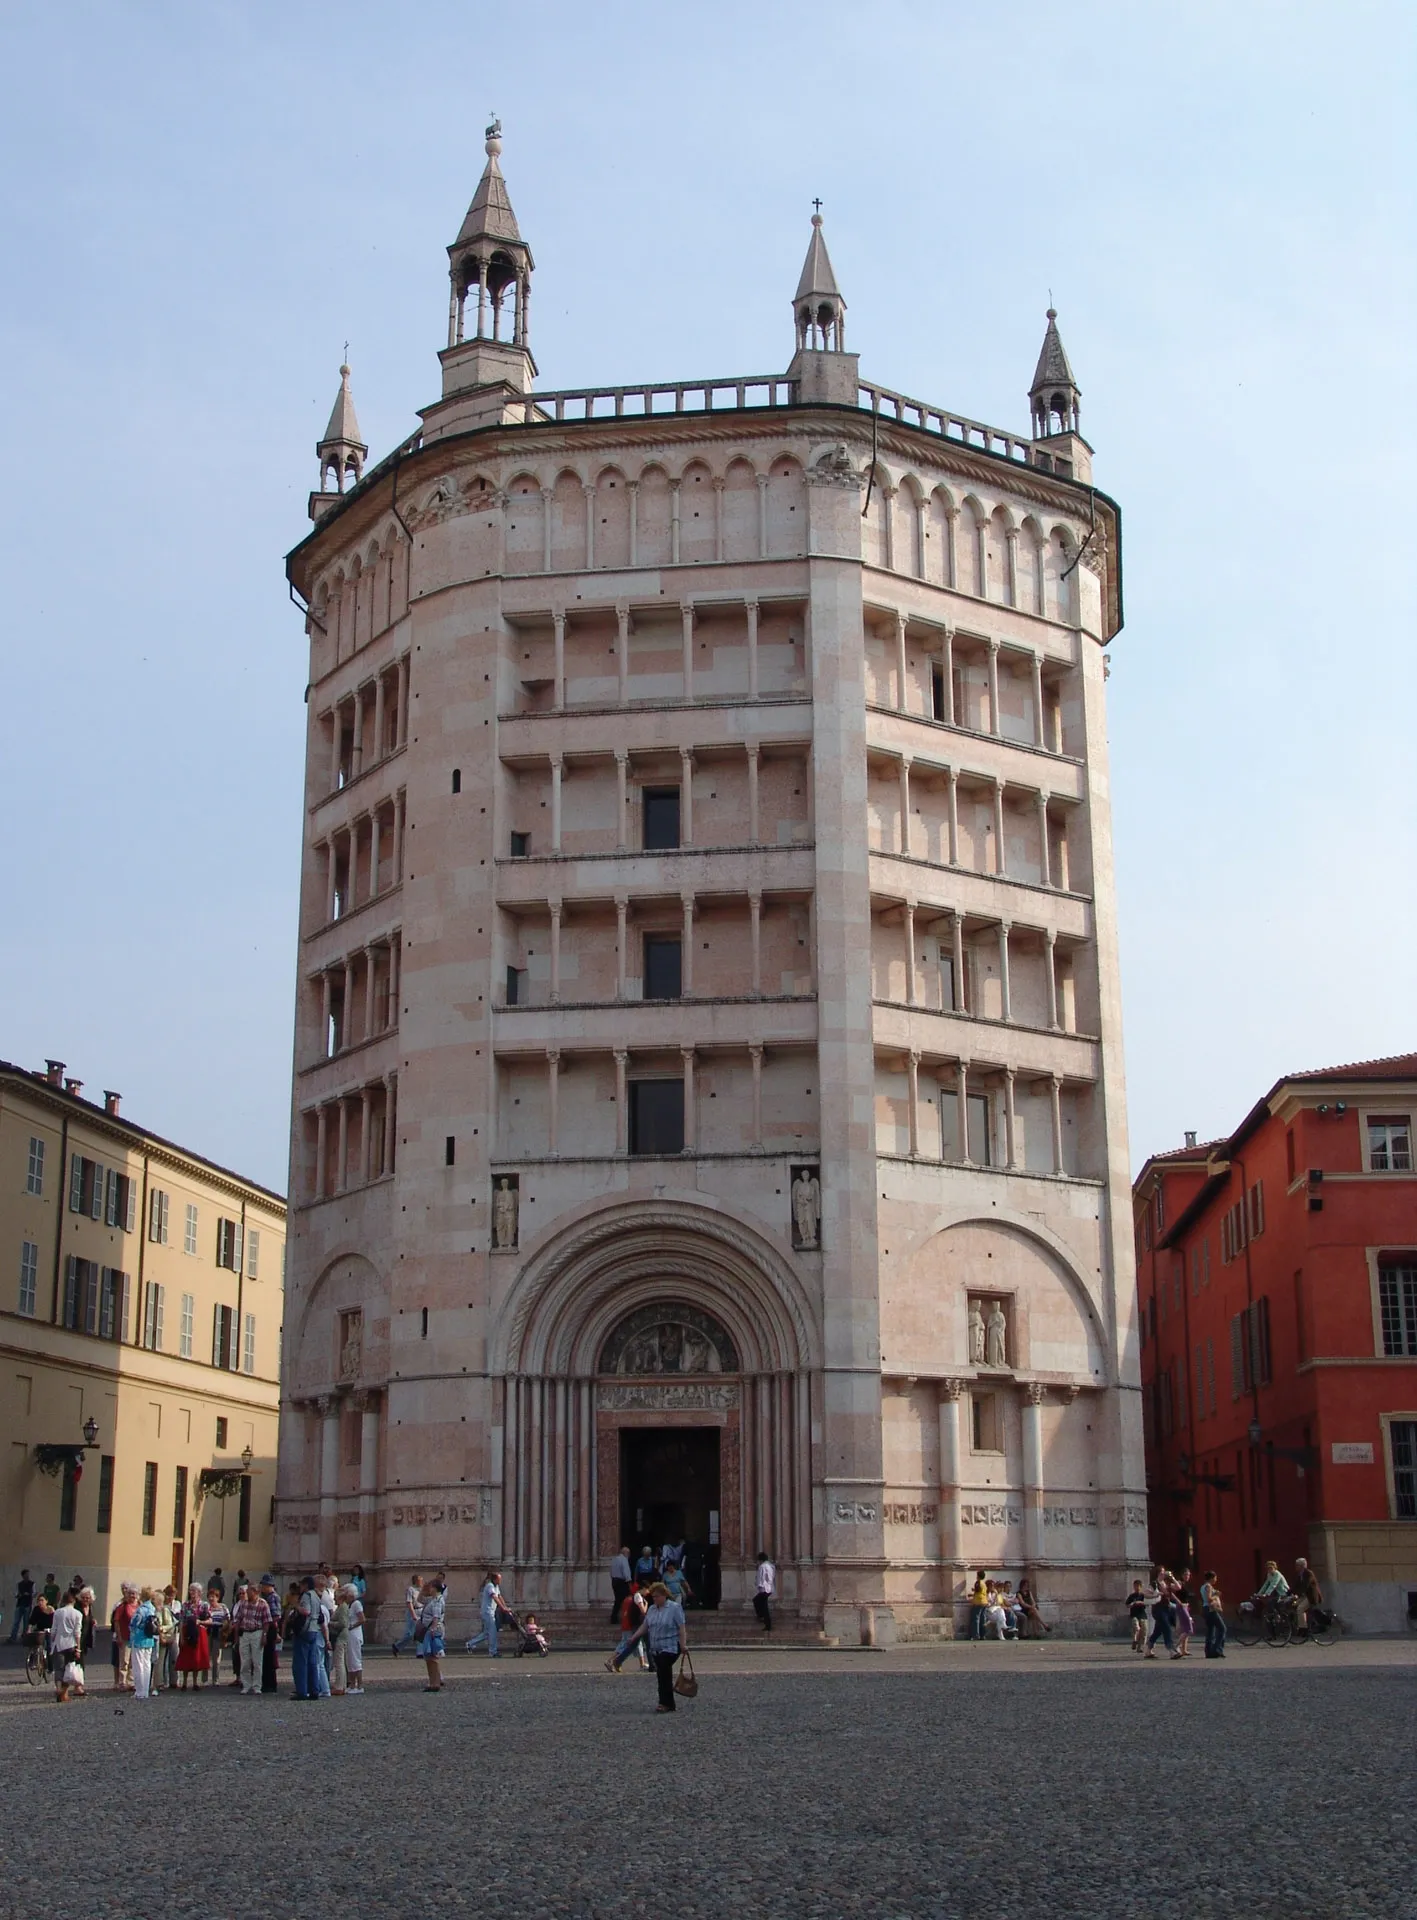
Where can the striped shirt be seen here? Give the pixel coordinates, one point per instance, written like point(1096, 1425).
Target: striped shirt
point(250, 1616)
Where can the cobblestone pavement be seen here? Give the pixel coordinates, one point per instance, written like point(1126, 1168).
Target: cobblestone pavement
point(1055, 1780)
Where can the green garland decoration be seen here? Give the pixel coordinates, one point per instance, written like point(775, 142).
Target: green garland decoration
point(220, 1482)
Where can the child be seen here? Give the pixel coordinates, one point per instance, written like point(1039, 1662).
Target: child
point(1136, 1607)
point(532, 1632)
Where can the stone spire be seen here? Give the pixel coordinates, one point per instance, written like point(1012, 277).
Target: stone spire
point(489, 257)
point(341, 452)
point(819, 308)
point(1054, 397)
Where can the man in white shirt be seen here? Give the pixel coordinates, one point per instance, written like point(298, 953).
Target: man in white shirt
point(488, 1601)
point(766, 1587)
point(65, 1634)
point(413, 1607)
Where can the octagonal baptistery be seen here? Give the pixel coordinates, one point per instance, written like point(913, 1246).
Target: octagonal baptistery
point(708, 1117)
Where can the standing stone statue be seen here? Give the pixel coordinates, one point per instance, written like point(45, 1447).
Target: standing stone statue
point(996, 1347)
point(807, 1207)
point(504, 1214)
point(976, 1334)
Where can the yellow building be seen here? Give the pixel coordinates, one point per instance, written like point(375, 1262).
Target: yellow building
point(141, 1302)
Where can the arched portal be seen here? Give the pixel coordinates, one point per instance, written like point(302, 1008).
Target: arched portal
point(654, 1367)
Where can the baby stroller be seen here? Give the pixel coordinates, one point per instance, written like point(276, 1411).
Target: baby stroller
point(528, 1637)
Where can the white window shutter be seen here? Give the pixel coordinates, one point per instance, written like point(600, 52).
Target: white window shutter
point(216, 1336)
point(76, 1182)
point(97, 1207)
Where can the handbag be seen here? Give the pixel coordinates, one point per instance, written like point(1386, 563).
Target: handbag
point(684, 1680)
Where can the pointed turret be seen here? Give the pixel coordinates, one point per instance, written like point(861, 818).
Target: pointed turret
point(822, 369)
point(341, 452)
point(1054, 397)
point(488, 355)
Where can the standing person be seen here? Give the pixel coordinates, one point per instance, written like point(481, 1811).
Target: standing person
point(24, 1604)
point(632, 1618)
point(978, 1605)
point(142, 1644)
point(339, 1644)
point(1136, 1611)
point(620, 1577)
point(85, 1599)
point(218, 1632)
point(765, 1586)
point(644, 1565)
point(166, 1604)
point(1185, 1620)
point(65, 1653)
point(431, 1643)
point(217, 1584)
point(121, 1621)
point(51, 1591)
point(1307, 1592)
point(488, 1603)
point(1163, 1614)
point(358, 1582)
point(412, 1607)
point(354, 1643)
point(1213, 1610)
point(668, 1636)
point(250, 1623)
point(193, 1658)
point(270, 1649)
point(309, 1641)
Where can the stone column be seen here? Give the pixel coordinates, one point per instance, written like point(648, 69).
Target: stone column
point(718, 517)
point(379, 718)
point(342, 1170)
point(356, 758)
point(755, 914)
point(328, 1407)
point(912, 1074)
point(622, 769)
point(321, 1150)
point(346, 1018)
point(1001, 860)
point(558, 621)
point(557, 764)
point(900, 662)
point(752, 649)
point(952, 546)
point(690, 1107)
point(634, 487)
point(1050, 976)
point(1010, 1122)
point(589, 493)
point(755, 1054)
point(1038, 735)
point(686, 969)
point(404, 676)
point(326, 1015)
point(395, 975)
point(957, 956)
point(622, 639)
point(365, 1099)
point(1032, 1416)
point(368, 1405)
point(391, 1102)
point(400, 816)
point(950, 1394)
point(622, 1103)
point(1041, 803)
point(674, 522)
point(622, 909)
point(686, 797)
point(754, 835)
point(555, 951)
point(1055, 1092)
point(952, 805)
point(369, 993)
point(905, 803)
point(962, 1111)
point(553, 1098)
point(1005, 997)
point(1011, 566)
point(686, 611)
point(762, 480)
point(888, 526)
point(908, 923)
point(993, 685)
point(336, 740)
point(548, 500)
point(947, 663)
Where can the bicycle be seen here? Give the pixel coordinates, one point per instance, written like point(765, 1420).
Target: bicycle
point(37, 1661)
point(1321, 1626)
point(1262, 1620)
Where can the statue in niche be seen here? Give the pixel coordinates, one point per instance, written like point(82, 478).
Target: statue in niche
point(807, 1207)
point(996, 1337)
point(504, 1214)
point(351, 1353)
point(976, 1334)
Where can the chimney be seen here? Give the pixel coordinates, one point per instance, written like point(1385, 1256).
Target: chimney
point(54, 1072)
point(75, 1087)
point(110, 1102)
point(1190, 1139)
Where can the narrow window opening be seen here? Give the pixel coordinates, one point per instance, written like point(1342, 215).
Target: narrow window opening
point(661, 818)
point(657, 1116)
point(457, 779)
point(663, 975)
point(449, 1150)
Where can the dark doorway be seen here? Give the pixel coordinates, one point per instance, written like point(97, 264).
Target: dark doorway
point(661, 818)
point(656, 1116)
point(663, 975)
point(669, 1489)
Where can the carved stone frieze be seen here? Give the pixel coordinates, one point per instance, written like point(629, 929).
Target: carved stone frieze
point(699, 1396)
point(669, 1338)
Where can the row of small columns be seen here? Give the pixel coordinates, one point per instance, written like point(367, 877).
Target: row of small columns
point(686, 796)
point(1008, 1075)
point(393, 945)
point(358, 699)
point(922, 508)
point(1005, 930)
point(351, 835)
point(946, 656)
point(632, 487)
point(341, 1105)
point(556, 911)
point(622, 647)
point(521, 307)
point(1034, 1394)
point(554, 1056)
point(1042, 800)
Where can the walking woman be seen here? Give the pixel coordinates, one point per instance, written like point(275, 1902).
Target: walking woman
point(668, 1638)
point(166, 1606)
point(1213, 1611)
point(142, 1643)
point(1163, 1614)
point(218, 1632)
point(193, 1655)
point(431, 1643)
point(1185, 1620)
point(339, 1644)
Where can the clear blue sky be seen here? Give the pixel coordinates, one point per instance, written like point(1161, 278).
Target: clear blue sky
point(198, 205)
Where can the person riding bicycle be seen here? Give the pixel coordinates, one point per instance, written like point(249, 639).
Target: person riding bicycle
point(1274, 1587)
point(1307, 1592)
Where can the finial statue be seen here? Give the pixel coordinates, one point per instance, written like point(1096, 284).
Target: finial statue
point(494, 138)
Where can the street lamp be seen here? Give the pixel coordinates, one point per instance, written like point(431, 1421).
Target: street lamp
point(1256, 1433)
point(90, 1432)
point(247, 1456)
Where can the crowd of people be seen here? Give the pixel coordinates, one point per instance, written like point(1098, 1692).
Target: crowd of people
point(1001, 1612)
point(1170, 1604)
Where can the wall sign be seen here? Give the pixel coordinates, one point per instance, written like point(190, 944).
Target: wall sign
point(1353, 1453)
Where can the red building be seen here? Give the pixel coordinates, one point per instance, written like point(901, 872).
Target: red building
point(1277, 1274)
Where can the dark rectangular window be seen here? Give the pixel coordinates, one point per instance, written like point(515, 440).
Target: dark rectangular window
point(663, 970)
point(105, 1493)
point(1404, 1468)
point(228, 1245)
point(656, 1116)
point(450, 1150)
point(457, 788)
point(68, 1498)
point(1397, 1299)
point(179, 1505)
point(979, 1130)
point(661, 817)
point(150, 1497)
point(516, 987)
point(221, 1429)
point(937, 693)
point(243, 1511)
point(521, 845)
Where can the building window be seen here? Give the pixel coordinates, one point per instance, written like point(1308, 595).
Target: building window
point(1160, 1209)
point(1404, 1467)
point(986, 1434)
point(228, 1244)
point(34, 1178)
point(189, 1231)
point(29, 1276)
point(243, 1509)
point(153, 1301)
point(521, 845)
point(113, 1305)
point(517, 995)
point(248, 1344)
point(179, 1505)
point(1243, 1223)
point(1249, 1348)
point(253, 1255)
point(121, 1201)
point(157, 1216)
point(656, 1116)
point(68, 1497)
point(85, 1186)
point(663, 978)
point(185, 1328)
point(1389, 1143)
point(105, 1493)
point(661, 818)
point(979, 1130)
point(150, 1497)
point(1397, 1298)
point(224, 1338)
point(221, 1430)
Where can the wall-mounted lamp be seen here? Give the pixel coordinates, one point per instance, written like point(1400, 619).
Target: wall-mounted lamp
point(90, 1432)
point(247, 1456)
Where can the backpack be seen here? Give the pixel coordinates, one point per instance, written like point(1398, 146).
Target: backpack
point(189, 1631)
